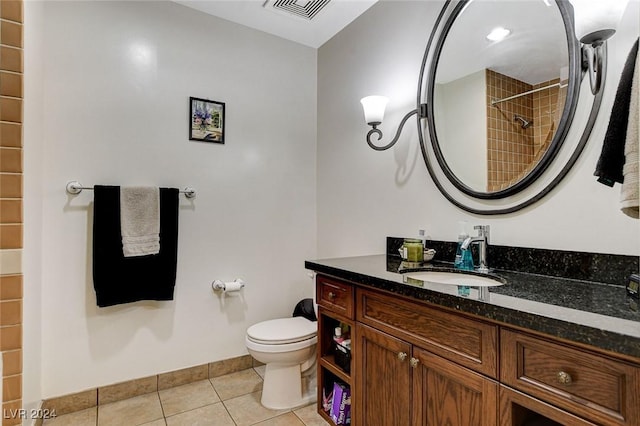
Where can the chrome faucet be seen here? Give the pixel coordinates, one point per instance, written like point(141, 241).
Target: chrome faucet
point(482, 240)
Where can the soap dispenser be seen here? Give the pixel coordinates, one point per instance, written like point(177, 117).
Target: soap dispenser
point(467, 260)
point(462, 235)
point(463, 259)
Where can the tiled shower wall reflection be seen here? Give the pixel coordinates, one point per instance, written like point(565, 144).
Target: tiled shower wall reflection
point(547, 110)
point(11, 88)
point(513, 150)
point(510, 147)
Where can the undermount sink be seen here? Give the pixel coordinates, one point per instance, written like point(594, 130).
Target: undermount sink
point(454, 278)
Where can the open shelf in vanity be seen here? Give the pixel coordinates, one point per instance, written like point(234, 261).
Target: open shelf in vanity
point(335, 309)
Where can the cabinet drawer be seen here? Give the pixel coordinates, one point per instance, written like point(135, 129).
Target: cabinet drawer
point(602, 389)
point(336, 296)
point(468, 342)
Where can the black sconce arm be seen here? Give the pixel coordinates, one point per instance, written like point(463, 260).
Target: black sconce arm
point(422, 113)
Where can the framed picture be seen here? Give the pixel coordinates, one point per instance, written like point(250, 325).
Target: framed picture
point(207, 120)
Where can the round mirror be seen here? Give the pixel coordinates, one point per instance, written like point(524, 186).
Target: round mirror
point(502, 82)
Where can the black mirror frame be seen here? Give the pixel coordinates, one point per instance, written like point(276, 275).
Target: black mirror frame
point(445, 20)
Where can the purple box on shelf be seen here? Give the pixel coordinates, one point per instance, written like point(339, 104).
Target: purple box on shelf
point(341, 405)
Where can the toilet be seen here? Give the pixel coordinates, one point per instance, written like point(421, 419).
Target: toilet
point(288, 348)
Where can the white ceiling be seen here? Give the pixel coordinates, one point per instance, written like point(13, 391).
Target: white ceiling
point(314, 33)
point(534, 52)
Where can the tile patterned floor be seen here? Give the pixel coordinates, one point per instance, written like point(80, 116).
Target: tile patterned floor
point(231, 400)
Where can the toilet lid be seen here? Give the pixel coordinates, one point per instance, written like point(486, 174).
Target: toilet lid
point(282, 330)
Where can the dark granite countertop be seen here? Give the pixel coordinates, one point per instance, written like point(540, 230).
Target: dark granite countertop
point(592, 313)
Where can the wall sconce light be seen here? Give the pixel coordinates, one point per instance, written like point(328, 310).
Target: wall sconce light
point(596, 21)
point(374, 107)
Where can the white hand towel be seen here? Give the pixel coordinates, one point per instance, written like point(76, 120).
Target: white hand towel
point(630, 190)
point(140, 220)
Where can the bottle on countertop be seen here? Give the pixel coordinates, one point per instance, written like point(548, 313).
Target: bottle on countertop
point(464, 259)
point(467, 260)
point(462, 235)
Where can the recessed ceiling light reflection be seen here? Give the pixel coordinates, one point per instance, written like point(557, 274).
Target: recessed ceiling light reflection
point(498, 34)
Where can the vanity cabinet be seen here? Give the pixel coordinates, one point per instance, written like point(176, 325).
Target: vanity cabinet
point(416, 363)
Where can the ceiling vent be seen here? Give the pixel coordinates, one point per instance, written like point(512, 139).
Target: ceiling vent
point(305, 9)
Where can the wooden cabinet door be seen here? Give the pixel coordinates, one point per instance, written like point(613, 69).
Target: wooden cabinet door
point(445, 393)
point(383, 379)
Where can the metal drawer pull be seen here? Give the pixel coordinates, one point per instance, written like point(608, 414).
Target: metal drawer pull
point(414, 362)
point(332, 295)
point(564, 378)
point(402, 356)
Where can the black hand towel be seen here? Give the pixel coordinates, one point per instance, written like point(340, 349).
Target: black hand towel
point(118, 279)
point(611, 161)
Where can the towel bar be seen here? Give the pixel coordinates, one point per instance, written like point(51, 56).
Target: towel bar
point(74, 187)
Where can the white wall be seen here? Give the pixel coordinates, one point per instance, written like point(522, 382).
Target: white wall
point(116, 85)
point(462, 122)
point(365, 195)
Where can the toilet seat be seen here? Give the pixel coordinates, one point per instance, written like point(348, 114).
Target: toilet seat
point(282, 331)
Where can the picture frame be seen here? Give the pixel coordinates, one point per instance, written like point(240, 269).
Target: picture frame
point(206, 120)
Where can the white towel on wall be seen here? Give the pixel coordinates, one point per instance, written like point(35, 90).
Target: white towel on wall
point(140, 220)
point(630, 190)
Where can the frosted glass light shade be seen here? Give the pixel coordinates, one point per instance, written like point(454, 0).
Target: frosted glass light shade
point(373, 107)
point(597, 20)
point(498, 34)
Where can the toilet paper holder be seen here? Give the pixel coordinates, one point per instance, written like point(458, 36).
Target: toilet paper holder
point(235, 285)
